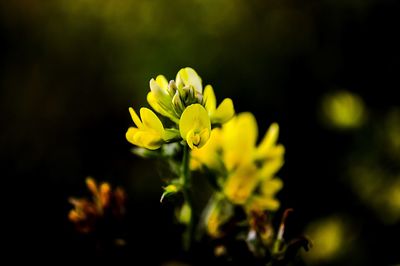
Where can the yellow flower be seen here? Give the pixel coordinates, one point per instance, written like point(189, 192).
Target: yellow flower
point(239, 140)
point(251, 166)
point(241, 183)
point(266, 199)
point(246, 165)
point(225, 110)
point(150, 132)
point(184, 103)
point(195, 126)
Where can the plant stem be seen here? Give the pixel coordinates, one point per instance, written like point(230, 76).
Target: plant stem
point(187, 193)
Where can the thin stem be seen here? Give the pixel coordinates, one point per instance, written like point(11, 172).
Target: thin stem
point(187, 193)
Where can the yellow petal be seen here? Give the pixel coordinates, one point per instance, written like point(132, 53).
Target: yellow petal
point(162, 82)
point(271, 187)
point(160, 96)
point(239, 138)
point(269, 139)
point(151, 121)
point(188, 77)
point(197, 139)
point(204, 137)
point(130, 133)
point(192, 139)
point(158, 91)
point(208, 155)
point(241, 184)
point(210, 101)
point(270, 168)
point(272, 153)
point(260, 203)
point(224, 112)
point(155, 104)
point(135, 118)
point(195, 125)
point(148, 139)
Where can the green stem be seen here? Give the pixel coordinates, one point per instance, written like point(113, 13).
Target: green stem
point(187, 193)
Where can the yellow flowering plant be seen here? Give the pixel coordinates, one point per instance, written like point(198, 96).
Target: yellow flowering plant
point(211, 138)
point(193, 113)
point(208, 139)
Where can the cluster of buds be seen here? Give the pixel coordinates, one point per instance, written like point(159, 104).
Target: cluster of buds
point(184, 102)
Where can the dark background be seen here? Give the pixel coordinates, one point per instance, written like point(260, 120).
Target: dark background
point(69, 70)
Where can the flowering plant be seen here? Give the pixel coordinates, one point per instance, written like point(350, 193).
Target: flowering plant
point(203, 138)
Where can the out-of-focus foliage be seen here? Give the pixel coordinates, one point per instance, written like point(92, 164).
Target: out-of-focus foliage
point(379, 190)
point(372, 170)
point(375, 169)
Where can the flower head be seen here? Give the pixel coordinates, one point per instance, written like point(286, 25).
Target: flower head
point(185, 103)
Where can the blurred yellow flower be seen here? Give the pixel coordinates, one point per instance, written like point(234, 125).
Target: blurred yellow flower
point(266, 199)
point(343, 110)
point(331, 238)
point(218, 213)
point(239, 140)
point(241, 183)
point(232, 150)
point(250, 165)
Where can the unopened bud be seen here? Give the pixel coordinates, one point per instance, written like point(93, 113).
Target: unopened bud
point(172, 88)
point(178, 104)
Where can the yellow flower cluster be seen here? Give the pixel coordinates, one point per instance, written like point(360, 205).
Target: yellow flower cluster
point(246, 171)
point(220, 141)
point(184, 102)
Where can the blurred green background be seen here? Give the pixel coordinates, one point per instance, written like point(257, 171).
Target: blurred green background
point(70, 70)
